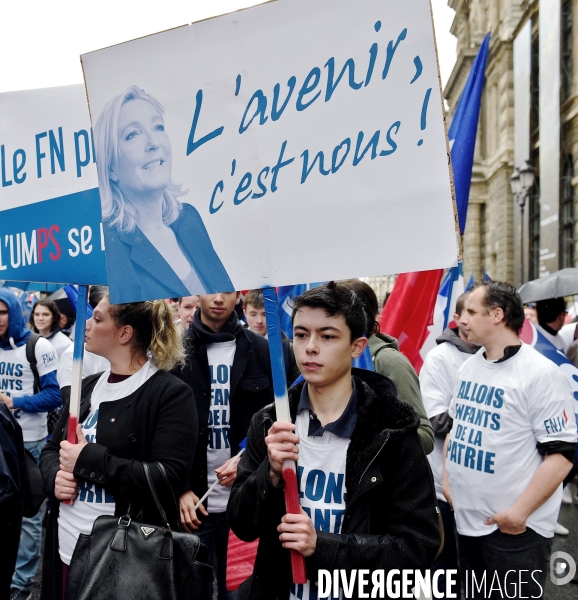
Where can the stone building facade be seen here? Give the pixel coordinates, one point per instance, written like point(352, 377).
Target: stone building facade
point(496, 240)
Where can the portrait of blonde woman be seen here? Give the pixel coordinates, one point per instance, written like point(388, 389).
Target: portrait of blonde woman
point(157, 246)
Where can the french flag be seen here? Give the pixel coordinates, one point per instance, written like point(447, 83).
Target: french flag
point(415, 313)
point(451, 289)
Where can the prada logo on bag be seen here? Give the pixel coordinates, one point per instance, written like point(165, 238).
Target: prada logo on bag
point(147, 531)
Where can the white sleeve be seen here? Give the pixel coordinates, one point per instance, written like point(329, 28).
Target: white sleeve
point(46, 357)
point(64, 374)
point(436, 384)
point(550, 404)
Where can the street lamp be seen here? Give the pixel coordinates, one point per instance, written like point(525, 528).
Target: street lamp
point(521, 182)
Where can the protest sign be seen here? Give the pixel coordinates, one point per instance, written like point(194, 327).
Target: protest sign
point(50, 220)
point(294, 141)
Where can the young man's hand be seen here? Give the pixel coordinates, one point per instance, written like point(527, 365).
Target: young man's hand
point(281, 446)
point(189, 519)
point(297, 533)
point(227, 473)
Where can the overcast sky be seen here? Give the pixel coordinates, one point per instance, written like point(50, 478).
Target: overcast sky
point(41, 40)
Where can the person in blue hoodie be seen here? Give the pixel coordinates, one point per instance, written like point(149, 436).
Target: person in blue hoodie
point(30, 407)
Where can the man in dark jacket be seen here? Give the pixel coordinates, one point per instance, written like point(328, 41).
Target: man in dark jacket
point(31, 399)
point(229, 371)
point(366, 493)
point(11, 494)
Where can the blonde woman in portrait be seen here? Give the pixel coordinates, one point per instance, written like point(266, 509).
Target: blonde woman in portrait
point(157, 247)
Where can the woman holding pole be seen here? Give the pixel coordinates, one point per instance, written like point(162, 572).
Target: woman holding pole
point(132, 413)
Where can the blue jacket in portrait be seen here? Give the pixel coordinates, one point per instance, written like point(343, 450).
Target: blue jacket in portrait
point(137, 271)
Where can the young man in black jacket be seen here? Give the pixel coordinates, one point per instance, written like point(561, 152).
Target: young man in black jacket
point(229, 371)
point(366, 492)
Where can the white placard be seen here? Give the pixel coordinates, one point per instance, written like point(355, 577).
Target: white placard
point(308, 135)
point(50, 220)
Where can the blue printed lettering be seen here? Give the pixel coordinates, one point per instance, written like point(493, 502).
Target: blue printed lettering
point(315, 485)
point(308, 87)
point(277, 112)
point(222, 374)
point(334, 488)
point(81, 162)
point(499, 398)
point(56, 150)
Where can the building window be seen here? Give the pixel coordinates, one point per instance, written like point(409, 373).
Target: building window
point(534, 221)
point(535, 90)
point(566, 49)
point(567, 213)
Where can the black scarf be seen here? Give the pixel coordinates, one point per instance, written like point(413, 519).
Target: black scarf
point(205, 336)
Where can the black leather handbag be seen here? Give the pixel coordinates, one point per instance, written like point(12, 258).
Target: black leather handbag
point(122, 559)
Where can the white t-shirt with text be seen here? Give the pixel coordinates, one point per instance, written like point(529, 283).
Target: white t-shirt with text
point(321, 476)
point(501, 410)
point(92, 500)
point(220, 356)
point(16, 380)
point(437, 379)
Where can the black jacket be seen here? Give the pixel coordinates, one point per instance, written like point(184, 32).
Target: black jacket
point(157, 422)
point(251, 385)
point(391, 516)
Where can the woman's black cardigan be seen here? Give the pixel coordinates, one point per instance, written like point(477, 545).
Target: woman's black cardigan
point(157, 422)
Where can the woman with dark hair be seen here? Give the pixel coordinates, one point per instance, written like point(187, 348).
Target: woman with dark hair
point(134, 412)
point(45, 320)
point(389, 361)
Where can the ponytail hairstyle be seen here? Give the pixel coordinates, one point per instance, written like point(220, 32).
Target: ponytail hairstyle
point(154, 329)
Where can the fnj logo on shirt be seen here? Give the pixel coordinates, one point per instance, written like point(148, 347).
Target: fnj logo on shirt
point(218, 431)
point(556, 424)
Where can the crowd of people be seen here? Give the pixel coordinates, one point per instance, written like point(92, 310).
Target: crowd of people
point(186, 383)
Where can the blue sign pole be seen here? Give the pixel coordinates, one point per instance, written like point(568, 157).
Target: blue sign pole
point(283, 414)
point(77, 357)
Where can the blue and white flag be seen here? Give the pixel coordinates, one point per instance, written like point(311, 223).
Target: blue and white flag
point(530, 335)
point(462, 133)
point(285, 294)
point(451, 288)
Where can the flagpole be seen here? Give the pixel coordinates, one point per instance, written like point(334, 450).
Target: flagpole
point(282, 411)
point(77, 358)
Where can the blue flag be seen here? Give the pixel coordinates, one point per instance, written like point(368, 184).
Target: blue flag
point(285, 294)
point(451, 289)
point(462, 134)
point(470, 284)
point(31, 286)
